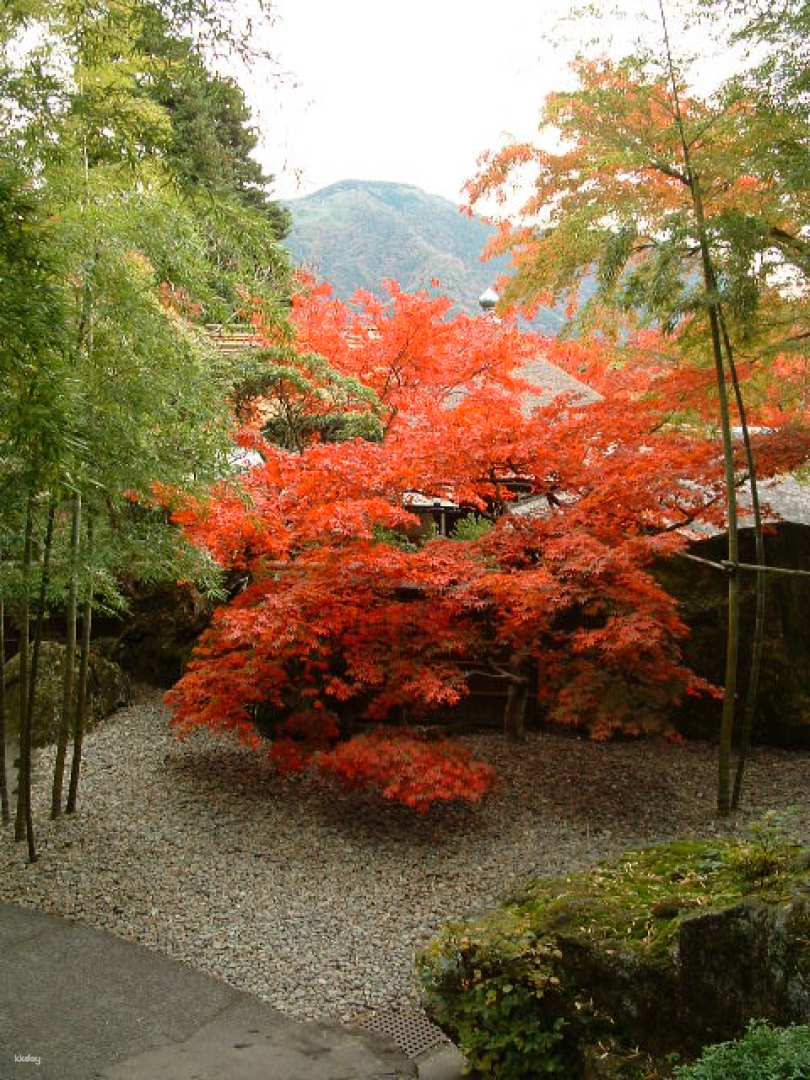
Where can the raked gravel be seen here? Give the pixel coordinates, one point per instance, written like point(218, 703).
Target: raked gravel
point(316, 899)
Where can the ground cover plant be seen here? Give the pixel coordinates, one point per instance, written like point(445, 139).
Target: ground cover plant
point(763, 1053)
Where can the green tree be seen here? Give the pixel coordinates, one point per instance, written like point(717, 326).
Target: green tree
point(35, 400)
point(778, 32)
point(774, 78)
point(212, 139)
point(675, 204)
point(110, 382)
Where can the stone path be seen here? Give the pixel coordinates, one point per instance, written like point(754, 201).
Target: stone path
point(80, 1004)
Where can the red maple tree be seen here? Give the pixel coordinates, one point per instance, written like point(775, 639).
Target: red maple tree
point(354, 612)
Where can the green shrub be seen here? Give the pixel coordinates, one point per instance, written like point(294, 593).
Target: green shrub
point(471, 527)
point(569, 969)
point(493, 986)
point(393, 538)
point(771, 848)
point(764, 1053)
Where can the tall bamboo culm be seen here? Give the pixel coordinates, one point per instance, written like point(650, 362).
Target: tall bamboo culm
point(84, 666)
point(70, 660)
point(24, 826)
point(760, 585)
point(5, 809)
point(713, 310)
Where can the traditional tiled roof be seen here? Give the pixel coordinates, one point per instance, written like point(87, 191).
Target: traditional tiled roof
point(785, 497)
point(788, 499)
point(552, 382)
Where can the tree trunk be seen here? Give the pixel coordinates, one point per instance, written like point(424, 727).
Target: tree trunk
point(41, 604)
point(84, 666)
point(758, 644)
point(38, 628)
point(713, 309)
point(70, 661)
point(517, 698)
point(752, 692)
point(24, 827)
point(4, 804)
point(733, 624)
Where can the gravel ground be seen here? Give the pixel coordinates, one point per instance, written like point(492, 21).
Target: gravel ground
point(316, 899)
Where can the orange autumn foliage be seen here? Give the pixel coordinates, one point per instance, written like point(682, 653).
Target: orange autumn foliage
point(351, 613)
point(414, 772)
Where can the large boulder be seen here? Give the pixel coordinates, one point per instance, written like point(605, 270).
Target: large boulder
point(665, 951)
point(783, 711)
point(108, 688)
point(153, 640)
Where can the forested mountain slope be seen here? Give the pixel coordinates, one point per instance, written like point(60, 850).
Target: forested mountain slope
point(356, 233)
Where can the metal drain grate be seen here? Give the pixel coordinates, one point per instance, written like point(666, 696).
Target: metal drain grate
point(412, 1032)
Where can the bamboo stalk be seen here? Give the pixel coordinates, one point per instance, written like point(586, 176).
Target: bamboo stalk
point(758, 644)
point(4, 803)
point(731, 568)
point(34, 671)
point(70, 661)
point(84, 665)
point(712, 304)
point(24, 826)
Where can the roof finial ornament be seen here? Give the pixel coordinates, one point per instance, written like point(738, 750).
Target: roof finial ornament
point(488, 300)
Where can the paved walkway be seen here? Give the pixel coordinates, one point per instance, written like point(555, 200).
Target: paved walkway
point(80, 1004)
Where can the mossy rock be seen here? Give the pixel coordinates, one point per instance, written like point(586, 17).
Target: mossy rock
point(783, 709)
point(154, 640)
point(654, 956)
point(108, 689)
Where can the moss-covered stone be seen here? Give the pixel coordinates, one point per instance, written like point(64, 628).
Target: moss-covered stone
point(783, 712)
point(154, 638)
point(108, 688)
point(658, 954)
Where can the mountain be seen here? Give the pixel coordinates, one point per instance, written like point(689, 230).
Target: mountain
point(356, 233)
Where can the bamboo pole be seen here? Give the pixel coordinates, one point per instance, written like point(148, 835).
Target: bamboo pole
point(758, 643)
point(4, 803)
point(24, 826)
point(84, 665)
point(712, 305)
point(70, 661)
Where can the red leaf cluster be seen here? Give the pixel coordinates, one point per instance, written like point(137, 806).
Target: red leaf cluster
point(414, 772)
point(352, 612)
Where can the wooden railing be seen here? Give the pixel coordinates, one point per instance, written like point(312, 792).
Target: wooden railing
point(234, 338)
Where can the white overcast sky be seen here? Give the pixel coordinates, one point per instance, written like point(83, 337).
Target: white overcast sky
point(410, 91)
